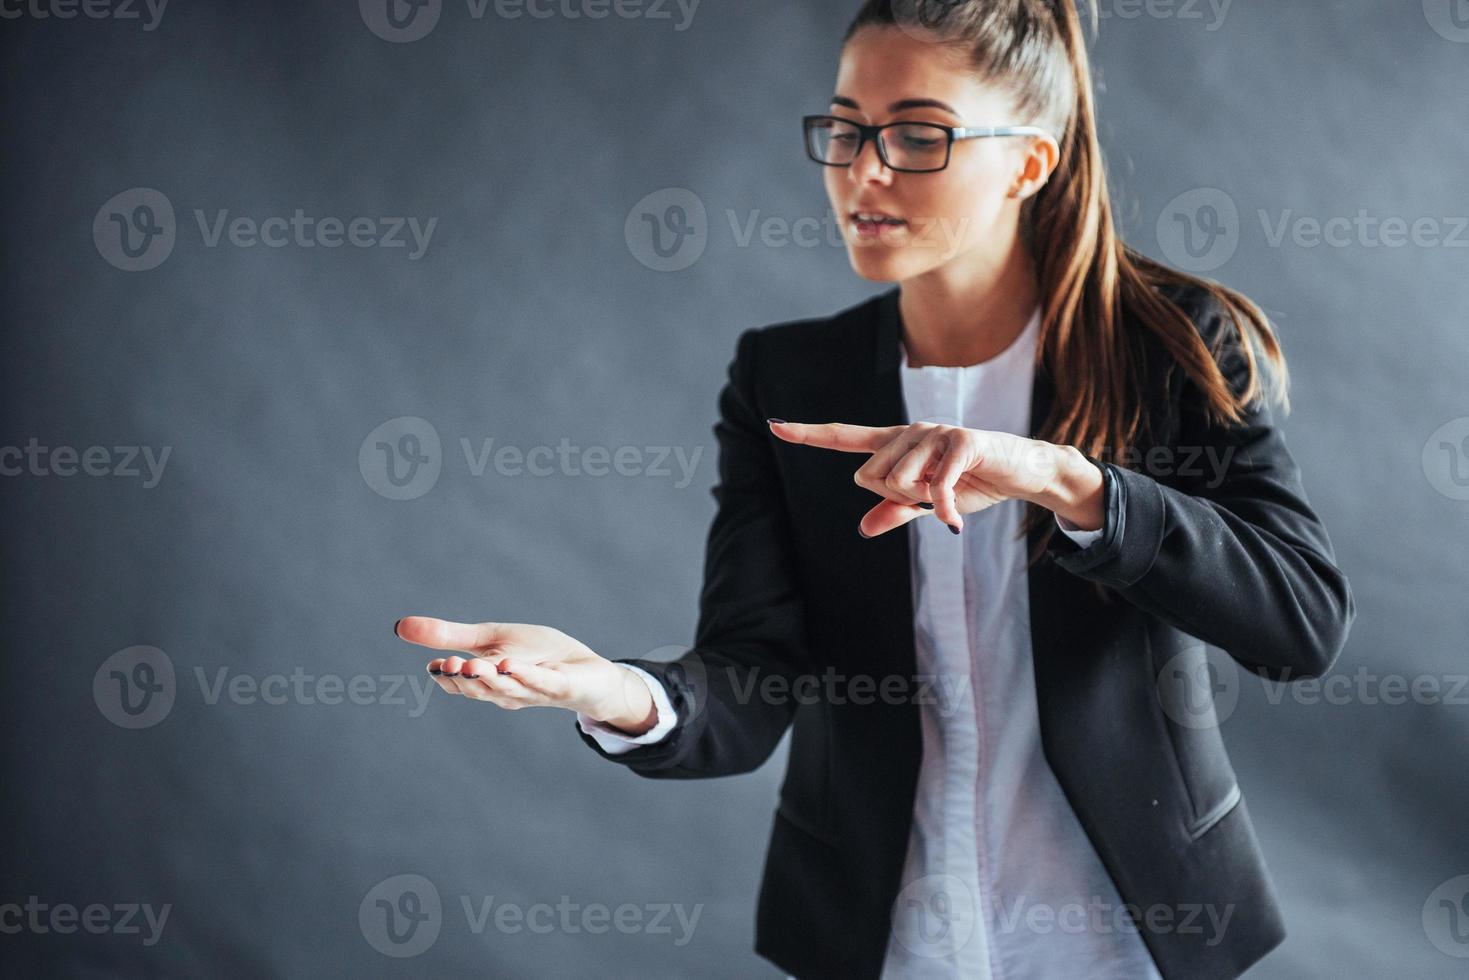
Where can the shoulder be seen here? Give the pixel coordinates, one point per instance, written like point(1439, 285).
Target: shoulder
point(818, 336)
point(1210, 317)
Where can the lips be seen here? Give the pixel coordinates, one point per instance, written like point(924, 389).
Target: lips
point(876, 218)
point(873, 226)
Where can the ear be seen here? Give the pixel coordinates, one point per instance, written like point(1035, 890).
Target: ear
point(1041, 159)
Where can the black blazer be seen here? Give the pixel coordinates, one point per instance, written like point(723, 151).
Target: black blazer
point(791, 588)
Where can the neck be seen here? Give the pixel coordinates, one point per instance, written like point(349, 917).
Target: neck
point(963, 314)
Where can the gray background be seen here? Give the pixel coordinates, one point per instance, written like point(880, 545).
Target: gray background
point(535, 316)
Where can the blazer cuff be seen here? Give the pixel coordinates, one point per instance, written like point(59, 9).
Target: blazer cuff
point(1131, 536)
point(617, 742)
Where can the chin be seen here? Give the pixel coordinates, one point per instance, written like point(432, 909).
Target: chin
point(880, 264)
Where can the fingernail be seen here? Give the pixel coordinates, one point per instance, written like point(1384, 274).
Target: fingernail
point(501, 668)
point(953, 528)
point(435, 670)
point(775, 420)
point(473, 677)
point(926, 506)
point(863, 533)
point(396, 622)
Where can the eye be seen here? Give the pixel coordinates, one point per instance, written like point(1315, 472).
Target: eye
point(919, 142)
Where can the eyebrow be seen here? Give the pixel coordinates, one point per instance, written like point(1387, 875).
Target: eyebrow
point(898, 106)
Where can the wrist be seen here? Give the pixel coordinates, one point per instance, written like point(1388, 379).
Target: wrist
point(629, 706)
point(1077, 490)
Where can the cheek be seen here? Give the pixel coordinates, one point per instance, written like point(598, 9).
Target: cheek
point(974, 195)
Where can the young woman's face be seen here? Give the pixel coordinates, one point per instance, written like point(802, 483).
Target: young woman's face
point(962, 214)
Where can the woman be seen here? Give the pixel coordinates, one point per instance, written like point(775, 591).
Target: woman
point(1005, 760)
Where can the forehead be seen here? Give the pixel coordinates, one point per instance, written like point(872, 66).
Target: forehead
point(881, 65)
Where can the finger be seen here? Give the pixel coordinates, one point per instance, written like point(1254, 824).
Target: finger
point(450, 668)
point(886, 516)
point(837, 435)
point(872, 475)
point(482, 682)
point(436, 671)
point(950, 468)
point(442, 634)
point(550, 684)
point(905, 480)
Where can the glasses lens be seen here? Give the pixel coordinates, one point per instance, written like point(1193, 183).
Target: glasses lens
point(916, 146)
point(832, 141)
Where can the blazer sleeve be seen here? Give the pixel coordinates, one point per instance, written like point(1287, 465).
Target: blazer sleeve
point(751, 620)
point(1235, 557)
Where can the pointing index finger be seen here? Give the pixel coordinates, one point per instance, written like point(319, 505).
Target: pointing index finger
point(841, 436)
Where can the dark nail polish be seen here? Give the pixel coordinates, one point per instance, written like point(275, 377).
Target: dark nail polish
point(926, 506)
point(774, 420)
point(953, 528)
point(395, 625)
point(435, 670)
point(473, 677)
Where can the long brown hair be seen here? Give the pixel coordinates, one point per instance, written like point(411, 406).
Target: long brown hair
point(1034, 50)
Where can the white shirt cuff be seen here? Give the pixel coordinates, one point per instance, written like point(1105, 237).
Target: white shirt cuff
point(1083, 538)
point(615, 742)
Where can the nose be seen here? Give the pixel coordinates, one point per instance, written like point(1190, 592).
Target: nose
point(867, 164)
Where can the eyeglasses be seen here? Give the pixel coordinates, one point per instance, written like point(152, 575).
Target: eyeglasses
point(909, 147)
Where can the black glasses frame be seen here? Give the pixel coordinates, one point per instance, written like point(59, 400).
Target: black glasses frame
point(809, 124)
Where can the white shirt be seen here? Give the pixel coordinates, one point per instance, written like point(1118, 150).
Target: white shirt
point(1000, 880)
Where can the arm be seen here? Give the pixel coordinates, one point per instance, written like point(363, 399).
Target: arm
point(1237, 557)
point(751, 619)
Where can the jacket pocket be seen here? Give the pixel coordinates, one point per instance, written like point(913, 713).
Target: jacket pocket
point(1196, 692)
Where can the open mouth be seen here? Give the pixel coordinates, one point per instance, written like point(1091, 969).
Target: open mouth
point(870, 224)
